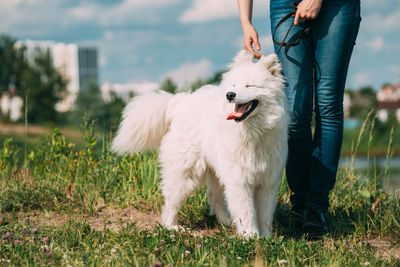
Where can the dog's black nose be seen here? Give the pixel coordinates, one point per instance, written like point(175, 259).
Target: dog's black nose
point(230, 96)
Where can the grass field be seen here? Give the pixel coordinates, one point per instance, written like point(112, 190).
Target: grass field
point(63, 205)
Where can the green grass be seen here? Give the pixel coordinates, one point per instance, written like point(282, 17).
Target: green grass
point(57, 178)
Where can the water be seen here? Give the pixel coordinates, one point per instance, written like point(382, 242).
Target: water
point(378, 165)
point(364, 162)
point(352, 123)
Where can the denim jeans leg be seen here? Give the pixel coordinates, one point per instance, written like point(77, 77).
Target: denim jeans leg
point(297, 69)
point(334, 33)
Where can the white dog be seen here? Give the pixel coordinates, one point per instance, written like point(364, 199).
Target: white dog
point(234, 135)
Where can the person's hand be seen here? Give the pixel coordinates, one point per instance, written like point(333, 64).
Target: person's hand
point(250, 37)
point(307, 10)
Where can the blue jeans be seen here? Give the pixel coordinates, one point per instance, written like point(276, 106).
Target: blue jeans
point(315, 73)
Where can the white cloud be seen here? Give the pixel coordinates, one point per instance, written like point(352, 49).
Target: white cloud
point(205, 10)
point(39, 17)
point(8, 3)
point(376, 44)
point(208, 10)
point(127, 11)
point(188, 73)
point(361, 78)
point(147, 3)
point(102, 60)
point(33, 17)
point(381, 22)
point(266, 44)
point(394, 69)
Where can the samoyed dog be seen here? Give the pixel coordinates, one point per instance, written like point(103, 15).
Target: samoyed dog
point(234, 136)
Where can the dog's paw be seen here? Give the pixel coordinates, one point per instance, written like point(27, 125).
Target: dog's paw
point(249, 233)
point(265, 232)
point(224, 219)
point(177, 227)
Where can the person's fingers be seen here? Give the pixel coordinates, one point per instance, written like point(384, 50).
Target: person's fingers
point(257, 44)
point(296, 18)
point(257, 55)
point(249, 48)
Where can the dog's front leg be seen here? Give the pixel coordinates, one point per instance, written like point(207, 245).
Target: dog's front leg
point(215, 194)
point(265, 197)
point(240, 200)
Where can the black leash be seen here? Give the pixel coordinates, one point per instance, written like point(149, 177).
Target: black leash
point(300, 34)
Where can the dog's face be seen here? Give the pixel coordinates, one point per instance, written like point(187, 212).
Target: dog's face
point(249, 85)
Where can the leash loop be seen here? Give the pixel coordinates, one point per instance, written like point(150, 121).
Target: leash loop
point(300, 35)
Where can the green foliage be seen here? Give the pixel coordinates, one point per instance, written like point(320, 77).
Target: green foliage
point(39, 80)
point(59, 178)
point(368, 91)
point(215, 79)
point(169, 86)
point(12, 62)
point(44, 87)
point(363, 101)
point(372, 138)
point(7, 154)
point(90, 102)
point(76, 244)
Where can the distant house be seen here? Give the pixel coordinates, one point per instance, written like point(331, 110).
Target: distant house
point(11, 105)
point(388, 99)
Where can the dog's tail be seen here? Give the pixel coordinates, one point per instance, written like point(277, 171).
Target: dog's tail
point(143, 125)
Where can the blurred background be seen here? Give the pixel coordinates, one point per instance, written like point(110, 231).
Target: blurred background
point(62, 59)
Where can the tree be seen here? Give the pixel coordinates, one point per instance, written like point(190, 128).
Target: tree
point(44, 87)
point(368, 91)
point(13, 63)
point(7, 57)
point(216, 78)
point(169, 86)
point(39, 81)
point(114, 111)
point(90, 101)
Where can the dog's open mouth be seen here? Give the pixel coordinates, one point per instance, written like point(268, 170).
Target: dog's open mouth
point(242, 110)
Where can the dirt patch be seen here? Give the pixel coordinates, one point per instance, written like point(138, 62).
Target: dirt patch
point(19, 129)
point(9, 129)
point(104, 218)
point(113, 219)
point(385, 248)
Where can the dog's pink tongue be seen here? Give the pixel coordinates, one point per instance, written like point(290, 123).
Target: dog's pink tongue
point(239, 110)
point(234, 115)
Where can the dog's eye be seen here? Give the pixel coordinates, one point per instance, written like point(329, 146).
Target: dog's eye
point(251, 85)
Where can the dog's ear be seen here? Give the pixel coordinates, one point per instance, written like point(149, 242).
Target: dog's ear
point(243, 56)
point(271, 63)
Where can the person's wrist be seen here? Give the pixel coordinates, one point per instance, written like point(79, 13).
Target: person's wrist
point(245, 23)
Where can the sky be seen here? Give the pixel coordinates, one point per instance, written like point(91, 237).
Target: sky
point(149, 40)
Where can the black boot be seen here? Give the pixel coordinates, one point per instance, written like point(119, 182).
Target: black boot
point(314, 223)
point(298, 216)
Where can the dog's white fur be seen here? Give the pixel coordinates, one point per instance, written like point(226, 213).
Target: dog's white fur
point(242, 161)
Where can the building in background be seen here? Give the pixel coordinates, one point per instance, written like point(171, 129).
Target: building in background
point(66, 61)
point(87, 65)
point(11, 104)
point(77, 65)
point(388, 99)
